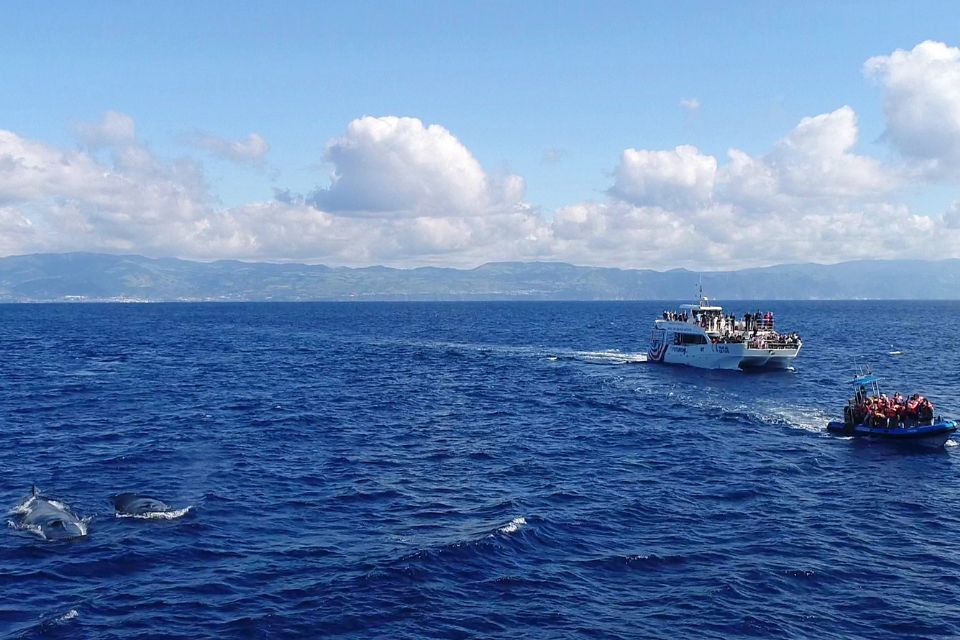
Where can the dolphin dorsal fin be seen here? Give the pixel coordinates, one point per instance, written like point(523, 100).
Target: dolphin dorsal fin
point(34, 491)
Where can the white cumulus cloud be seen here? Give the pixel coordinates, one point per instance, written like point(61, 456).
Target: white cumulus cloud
point(813, 162)
point(679, 178)
point(72, 201)
point(811, 197)
point(251, 150)
point(398, 166)
point(114, 130)
point(405, 193)
point(54, 199)
point(951, 217)
point(922, 103)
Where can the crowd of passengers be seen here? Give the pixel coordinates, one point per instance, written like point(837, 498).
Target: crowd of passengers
point(889, 413)
point(756, 329)
point(759, 341)
point(751, 321)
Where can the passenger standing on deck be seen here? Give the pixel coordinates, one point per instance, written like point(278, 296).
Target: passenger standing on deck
point(861, 396)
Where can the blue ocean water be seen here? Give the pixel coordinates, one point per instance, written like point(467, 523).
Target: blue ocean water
point(459, 470)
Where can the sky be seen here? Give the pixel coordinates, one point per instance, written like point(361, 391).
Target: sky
point(657, 135)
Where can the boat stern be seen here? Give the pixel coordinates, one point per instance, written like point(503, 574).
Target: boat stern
point(768, 358)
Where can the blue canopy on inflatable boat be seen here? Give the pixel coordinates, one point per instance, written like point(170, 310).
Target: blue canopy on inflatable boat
point(867, 379)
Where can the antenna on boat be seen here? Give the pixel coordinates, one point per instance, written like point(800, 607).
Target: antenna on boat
point(700, 297)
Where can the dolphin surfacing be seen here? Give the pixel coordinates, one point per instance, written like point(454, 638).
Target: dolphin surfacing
point(48, 518)
point(133, 505)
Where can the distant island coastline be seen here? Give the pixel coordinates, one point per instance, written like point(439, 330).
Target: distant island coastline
point(94, 277)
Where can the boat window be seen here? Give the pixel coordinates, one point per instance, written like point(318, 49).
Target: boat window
point(690, 338)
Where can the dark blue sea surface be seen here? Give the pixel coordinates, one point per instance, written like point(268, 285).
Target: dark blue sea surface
point(459, 470)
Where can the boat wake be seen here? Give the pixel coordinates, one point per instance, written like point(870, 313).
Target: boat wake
point(602, 356)
point(605, 357)
point(807, 419)
point(733, 408)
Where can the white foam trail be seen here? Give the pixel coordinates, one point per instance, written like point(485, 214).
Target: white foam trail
point(513, 525)
point(951, 443)
point(610, 355)
point(806, 419)
point(607, 356)
point(172, 514)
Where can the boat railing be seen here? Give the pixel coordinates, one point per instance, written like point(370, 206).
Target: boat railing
point(781, 344)
point(760, 342)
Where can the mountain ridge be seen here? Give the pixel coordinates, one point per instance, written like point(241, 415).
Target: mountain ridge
point(58, 277)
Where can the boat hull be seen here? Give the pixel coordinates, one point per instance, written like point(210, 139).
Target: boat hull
point(723, 356)
point(930, 435)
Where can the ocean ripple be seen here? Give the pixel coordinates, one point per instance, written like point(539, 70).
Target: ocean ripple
point(459, 470)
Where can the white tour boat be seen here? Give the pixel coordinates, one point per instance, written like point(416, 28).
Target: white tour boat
point(701, 335)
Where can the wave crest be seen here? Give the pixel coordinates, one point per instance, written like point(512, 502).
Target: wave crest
point(513, 525)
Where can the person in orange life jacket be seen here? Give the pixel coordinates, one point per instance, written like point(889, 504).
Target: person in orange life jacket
point(911, 410)
point(893, 415)
point(879, 412)
point(870, 410)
